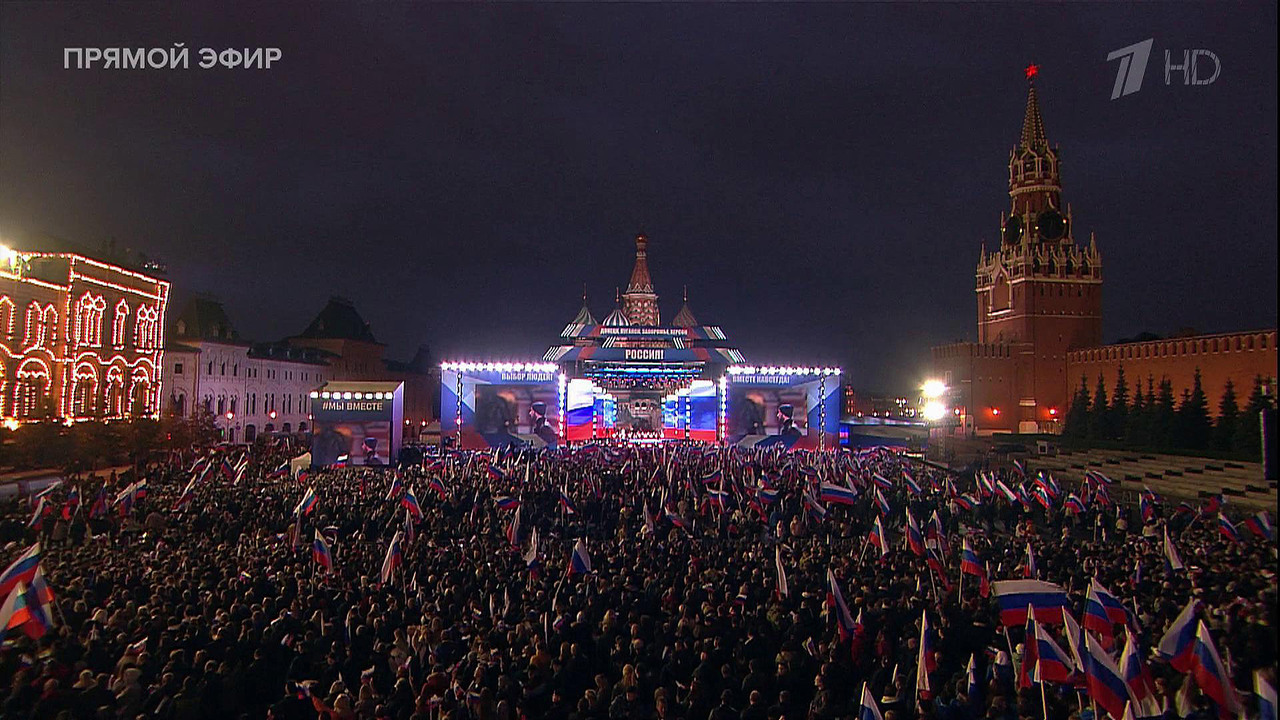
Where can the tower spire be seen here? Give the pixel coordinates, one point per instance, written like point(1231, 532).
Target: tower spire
point(640, 302)
point(1032, 123)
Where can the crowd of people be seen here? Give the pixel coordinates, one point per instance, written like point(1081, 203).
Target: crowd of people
point(603, 581)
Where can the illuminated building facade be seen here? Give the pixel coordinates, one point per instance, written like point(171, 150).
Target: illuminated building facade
point(79, 339)
point(248, 388)
point(1039, 316)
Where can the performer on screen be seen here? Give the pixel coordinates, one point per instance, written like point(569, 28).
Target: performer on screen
point(542, 428)
point(786, 421)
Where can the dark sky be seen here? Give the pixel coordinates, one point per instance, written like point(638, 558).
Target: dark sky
point(820, 176)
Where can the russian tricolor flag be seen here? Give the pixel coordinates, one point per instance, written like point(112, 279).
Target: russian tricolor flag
point(832, 493)
point(881, 482)
point(506, 502)
point(579, 561)
point(1226, 529)
point(566, 502)
point(1178, 642)
point(1048, 599)
point(843, 617)
point(1074, 505)
point(1103, 680)
point(869, 709)
point(392, 560)
point(307, 503)
point(1138, 676)
point(910, 482)
point(881, 502)
point(1052, 662)
point(1260, 525)
point(876, 537)
point(437, 485)
point(410, 502)
point(1171, 557)
point(1211, 675)
point(915, 539)
point(1266, 696)
point(320, 552)
point(1102, 610)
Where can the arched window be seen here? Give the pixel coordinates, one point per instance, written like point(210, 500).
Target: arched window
point(35, 326)
point(140, 392)
point(84, 391)
point(115, 391)
point(117, 324)
point(31, 390)
point(88, 326)
point(7, 317)
point(145, 328)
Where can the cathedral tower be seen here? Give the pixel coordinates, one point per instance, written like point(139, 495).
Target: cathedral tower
point(640, 302)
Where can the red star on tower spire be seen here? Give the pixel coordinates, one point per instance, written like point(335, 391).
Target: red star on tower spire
point(1032, 70)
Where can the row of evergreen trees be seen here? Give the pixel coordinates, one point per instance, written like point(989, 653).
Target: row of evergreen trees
point(1155, 419)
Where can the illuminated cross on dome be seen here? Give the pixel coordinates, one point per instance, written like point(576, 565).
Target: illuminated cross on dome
point(1032, 70)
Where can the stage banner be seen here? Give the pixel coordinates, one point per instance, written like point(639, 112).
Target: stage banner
point(690, 414)
point(791, 409)
point(580, 415)
point(501, 407)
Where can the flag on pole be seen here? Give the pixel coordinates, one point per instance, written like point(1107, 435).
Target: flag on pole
point(1259, 524)
point(1178, 642)
point(1211, 675)
point(1138, 676)
point(531, 560)
point(971, 565)
point(781, 571)
point(566, 502)
point(1226, 529)
point(321, 553)
point(1013, 596)
point(21, 570)
point(877, 538)
point(915, 539)
point(1172, 559)
point(869, 710)
point(844, 619)
point(393, 559)
point(1029, 569)
point(410, 503)
point(1102, 610)
point(307, 504)
point(1266, 696)
point(926, 662)
point(579, 561)
point(1103, 680)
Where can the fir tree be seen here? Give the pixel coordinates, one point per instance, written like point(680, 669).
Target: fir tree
point(1163, 416)
point(1224, 431)
point(1193, 417)
point(1078, 415)
point(1099, 427)
point(1249, 434)
point(1118, 421)
point(1135, 429)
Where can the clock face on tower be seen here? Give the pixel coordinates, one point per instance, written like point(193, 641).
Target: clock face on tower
point(1051, 225)
point(1012, 230)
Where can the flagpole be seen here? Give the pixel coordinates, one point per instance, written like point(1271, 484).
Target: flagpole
point(1044, 704)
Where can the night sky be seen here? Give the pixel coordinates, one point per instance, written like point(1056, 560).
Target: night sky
point(821, 177)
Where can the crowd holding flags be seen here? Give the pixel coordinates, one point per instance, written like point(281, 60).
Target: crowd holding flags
point(1039, 604)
